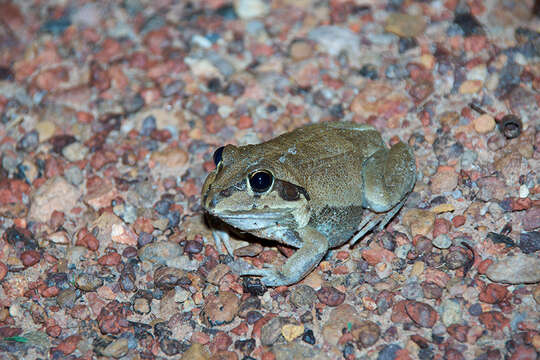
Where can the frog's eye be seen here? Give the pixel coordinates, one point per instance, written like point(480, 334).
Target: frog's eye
point(218, 155)
point(260, 181)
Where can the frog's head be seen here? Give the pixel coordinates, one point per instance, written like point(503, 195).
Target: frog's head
point(254, 191)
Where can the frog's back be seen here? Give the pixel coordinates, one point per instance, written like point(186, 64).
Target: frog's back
point(327, 150)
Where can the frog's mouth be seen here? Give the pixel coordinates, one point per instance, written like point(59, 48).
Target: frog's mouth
point(252, 220)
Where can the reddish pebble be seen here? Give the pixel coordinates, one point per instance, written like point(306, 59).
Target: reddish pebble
point(330, 296)
point(91, 242)
point(524, 352)
point(483, 266)
point(458, 220)
point(221, 342)
point(453, 354)
point(376, 255)
point(421, 313)
point(519, 204)
point(111, 259)
point(69, 344)
point(458, 332)
point(241, 329)
point(30, 257)
point(3, 270)
point(493, 320)
point(244, 122)
point(441, 226)
point(84, 117)
point(51, 291)
point(493, 294)
point(57, 219)
point(54, 331)
point(200, 338)
point(268, 356)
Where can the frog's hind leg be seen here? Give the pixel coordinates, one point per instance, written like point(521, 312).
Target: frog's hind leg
point(372, 219)
point(388, 176)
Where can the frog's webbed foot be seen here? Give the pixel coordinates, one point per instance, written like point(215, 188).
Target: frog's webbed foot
point(372, 220)
point(222, 237)
point(301, 263)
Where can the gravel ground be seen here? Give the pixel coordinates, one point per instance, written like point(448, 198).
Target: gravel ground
point(110, 113)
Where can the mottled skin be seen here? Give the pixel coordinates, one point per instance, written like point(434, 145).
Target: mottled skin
point(325, 175)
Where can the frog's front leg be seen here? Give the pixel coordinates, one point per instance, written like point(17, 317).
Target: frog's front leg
point(388, 176)
point(301, 263)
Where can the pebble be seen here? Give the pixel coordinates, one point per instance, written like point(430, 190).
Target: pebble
point(421, 313)
point(29, 142)
point(160, 252)
point(56, 194)
point(442, 241)
point(292, 331)
point(30, 257)
point(412, 291)
point(529, 242)
point(166, 278)
point(88, 282)
point(493, 320)
point(493, 294)
point(248, 9)
point(419, 222)
point(451, 312)
point(443, 208)
point(484, 124)
point(117, 348)
point(456, 259)
point(339, 318)
point(196, 352)
point(336, 39)
point(366, 333)
point(296, 350)
point(470, 86)
point(517, 269)
point(300, 49)
point(46, 130)
point(405, 25)
point(445, 180)
point(249, 250)
point(169, 162)
point(75, 151)
point(531, 220)
point(271, 331)
point(221, 309)
point(330, 296)
point(302, 296)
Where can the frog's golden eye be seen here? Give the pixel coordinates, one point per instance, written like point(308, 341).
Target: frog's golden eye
point(261, 180)
point(218, 155)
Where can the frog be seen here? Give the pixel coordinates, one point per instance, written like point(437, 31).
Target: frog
point(314, 189)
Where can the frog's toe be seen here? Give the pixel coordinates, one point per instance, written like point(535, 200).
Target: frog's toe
point(269, 276)
point(222, 237)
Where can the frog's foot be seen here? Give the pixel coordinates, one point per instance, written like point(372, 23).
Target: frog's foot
point(271, 276)
point(222, 237)
point(301, 263)
point(372, 220)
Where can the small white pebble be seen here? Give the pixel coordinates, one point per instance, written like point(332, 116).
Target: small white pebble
point(523, 191)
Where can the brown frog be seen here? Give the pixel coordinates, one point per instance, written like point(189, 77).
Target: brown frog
point(309, 189)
